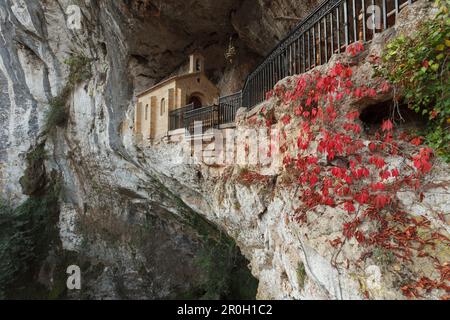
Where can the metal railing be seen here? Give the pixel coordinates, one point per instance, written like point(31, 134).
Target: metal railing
point(228, 106)
point(206, 117)
point(176, 117)
point(210, 116)
point(327, 30)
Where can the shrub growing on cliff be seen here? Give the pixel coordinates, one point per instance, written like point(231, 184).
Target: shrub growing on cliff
point(301, 275)
point(57, 113)
point(225, 273)
point(418, 66)
point(216, 261)
point(34, 179)
point(25, 233)
point(79, 71)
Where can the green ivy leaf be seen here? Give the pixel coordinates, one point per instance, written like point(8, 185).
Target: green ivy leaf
point(435, 67)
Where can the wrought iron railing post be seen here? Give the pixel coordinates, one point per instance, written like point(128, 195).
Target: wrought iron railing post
point(374, 22)
point(355, 21)
point(325, 26)
point(177, 117)
point(364, 31)
point(346, 33)
point(319, 35)
point(228, 107)
point(332, 33)
point(338, 28)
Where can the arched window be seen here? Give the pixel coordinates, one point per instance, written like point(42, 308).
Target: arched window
point(146, 112)
point(197, 65)
point(163, 106)
point(196, 101)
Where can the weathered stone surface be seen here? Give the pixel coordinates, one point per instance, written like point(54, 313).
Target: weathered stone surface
point(259, 216)
point(114, 191)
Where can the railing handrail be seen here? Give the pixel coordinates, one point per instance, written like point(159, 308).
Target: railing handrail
point(285, 40)
point(176, 117)
point(199, 110)
point(283, 60)
point(230, 95)
point(186, 107)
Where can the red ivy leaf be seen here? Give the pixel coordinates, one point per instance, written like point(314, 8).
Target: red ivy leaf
point(349, 207)
point(387, 125)
point(416, 141)
point(395, 173)
point(381, 201)
point(286, 119)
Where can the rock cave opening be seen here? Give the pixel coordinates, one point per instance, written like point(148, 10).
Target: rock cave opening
point(373, 115)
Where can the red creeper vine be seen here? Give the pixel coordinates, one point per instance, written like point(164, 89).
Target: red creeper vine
point(338, 166)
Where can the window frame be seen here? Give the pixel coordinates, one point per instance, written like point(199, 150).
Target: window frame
point(162, 107)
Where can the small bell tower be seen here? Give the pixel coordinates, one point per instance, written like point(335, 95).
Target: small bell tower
point(196, 63)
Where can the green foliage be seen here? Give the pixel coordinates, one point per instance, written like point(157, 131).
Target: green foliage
point(25, 233)
point(301, 275)
point(38, 154)
point(79, 71)
point(418, 66)
point(34, 178)
point(382, 256)
point(57, 114)
point(216, 261)
point(225, 272)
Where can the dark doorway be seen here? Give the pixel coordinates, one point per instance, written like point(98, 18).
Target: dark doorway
point(195, 101)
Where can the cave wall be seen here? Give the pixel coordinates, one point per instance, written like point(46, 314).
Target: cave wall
point(129, 244)
point(126, 214)
point(292, 245)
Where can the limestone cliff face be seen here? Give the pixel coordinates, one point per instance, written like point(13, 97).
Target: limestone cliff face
point(133, 218)
point(133, 44)
point(295, 260)
point(133, 236)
